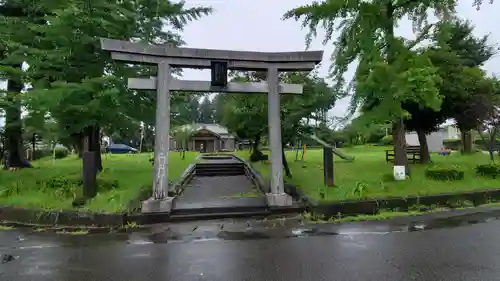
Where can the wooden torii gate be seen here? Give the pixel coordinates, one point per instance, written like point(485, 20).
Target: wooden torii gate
point(219, 61)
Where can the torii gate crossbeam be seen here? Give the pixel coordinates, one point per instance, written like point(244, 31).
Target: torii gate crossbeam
point(166, 57)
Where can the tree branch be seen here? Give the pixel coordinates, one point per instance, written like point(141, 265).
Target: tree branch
point(422, 36)
point(402, 4)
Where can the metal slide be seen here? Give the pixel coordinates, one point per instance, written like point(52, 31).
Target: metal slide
point(334, 150)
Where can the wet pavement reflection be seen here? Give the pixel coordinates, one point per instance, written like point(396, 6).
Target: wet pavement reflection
point(461, 247)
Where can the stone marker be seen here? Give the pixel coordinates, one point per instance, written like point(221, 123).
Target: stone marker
point(89, 174)
point(328, 166)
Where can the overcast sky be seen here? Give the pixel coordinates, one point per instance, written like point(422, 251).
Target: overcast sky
point(257, 26)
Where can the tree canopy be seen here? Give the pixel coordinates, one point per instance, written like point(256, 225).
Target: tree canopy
point(73, 82)
point(392, 71)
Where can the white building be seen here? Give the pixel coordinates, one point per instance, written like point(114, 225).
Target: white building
point(447, 130)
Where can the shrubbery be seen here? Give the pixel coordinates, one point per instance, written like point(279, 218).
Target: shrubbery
point(387, 140)
point(479, 143)
point(59, 153)
point(453, 144)
point(444, 174)
point(67, 186)
point(40, 153)
point(488, 170)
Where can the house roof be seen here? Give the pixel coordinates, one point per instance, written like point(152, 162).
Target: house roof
point(215, 128)
point(447, 123)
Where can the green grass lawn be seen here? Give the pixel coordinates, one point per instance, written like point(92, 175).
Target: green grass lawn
point(369, 176)
point(51, 184)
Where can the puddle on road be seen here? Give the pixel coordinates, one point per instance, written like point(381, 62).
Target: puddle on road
point(31, 241)
point(243, 235)
point(457, 221)
point(377, 228)
point(312, 232)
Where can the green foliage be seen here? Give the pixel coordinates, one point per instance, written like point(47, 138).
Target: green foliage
point(444, 174)
point(386, 140)
point(182, 134)
point(246, 115)
point(360, 189)
point(479, 143)
point(453, 144)
point(69, 185)
point(40, 153)
point(76, 83)
point(188, 111)
point(465, 86)
point(206, 111)
point(330, 136)
point(391, 71)
point(363, 130)
point(60, 153)
point(491, 170)
point(368, 35)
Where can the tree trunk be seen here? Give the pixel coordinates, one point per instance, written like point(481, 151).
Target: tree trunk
point(91, 143)
point(424, 148)
point(492, 144)
point(95, 145)
point(256, 142)
point(492, 154)
point(466, 136)
point(77, 140)
point(13, 128)
point(398, 135)
point(285, 163)
point(398, 127)
point(184, 148)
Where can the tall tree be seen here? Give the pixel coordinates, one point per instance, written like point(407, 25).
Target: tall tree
point(79, 84)
point(458, 59)
point(219, 101)
point(182, 136)
point(17, 16)
point(207, 111)
point(486, 108)
point(187, 111)
point(423, 121)
point(389, 72)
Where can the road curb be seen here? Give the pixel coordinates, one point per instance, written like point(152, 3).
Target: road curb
point(90, 220)
point(403, 204)
point(103, 222)
point(44, 218)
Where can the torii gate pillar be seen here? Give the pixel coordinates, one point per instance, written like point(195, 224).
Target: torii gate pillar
point(166, 57)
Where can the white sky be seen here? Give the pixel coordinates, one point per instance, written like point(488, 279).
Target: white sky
point(257, 26)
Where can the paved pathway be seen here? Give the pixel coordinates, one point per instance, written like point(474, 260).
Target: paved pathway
point(203, 188)
point(218, 191)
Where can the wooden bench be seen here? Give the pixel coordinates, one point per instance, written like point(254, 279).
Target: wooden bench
point(412, 153)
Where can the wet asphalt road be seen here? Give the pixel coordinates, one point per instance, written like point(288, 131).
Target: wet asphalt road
point(358, 252)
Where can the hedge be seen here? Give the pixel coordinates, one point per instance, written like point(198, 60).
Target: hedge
point(59, 153)
point(453, 144)
point(488, 170)
point(444, 174)
point(386, 140)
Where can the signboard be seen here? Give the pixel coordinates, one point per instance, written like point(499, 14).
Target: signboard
point(204, 132)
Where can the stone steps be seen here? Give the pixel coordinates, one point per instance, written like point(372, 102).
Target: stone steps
point(219, 169)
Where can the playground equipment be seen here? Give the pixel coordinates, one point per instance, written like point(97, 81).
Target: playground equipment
point(303, 148)
point(334, 150)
